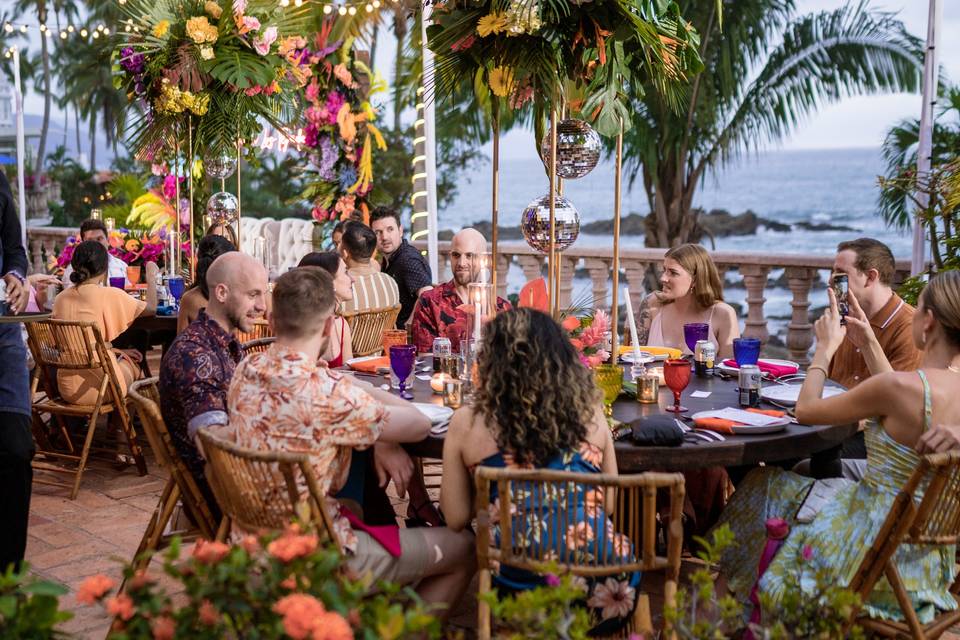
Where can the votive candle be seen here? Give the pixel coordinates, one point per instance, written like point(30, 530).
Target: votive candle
point(452, 393)
point(437, 381)
point(648, 388)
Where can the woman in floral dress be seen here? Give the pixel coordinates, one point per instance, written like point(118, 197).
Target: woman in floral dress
point(537, 407)
point(900, 407)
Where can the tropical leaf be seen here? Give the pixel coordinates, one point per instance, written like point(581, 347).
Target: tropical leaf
point(243, 69)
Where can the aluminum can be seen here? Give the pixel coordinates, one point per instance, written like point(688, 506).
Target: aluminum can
point(704, 355)
point(442, 348)
point(750, 377)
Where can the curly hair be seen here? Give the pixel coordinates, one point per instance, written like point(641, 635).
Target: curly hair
point(534, 392)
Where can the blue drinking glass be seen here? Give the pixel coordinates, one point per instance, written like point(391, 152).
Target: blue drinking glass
point(402, 359)
point(175, 284)
point(746, 350)
point(694, 332)
point(118, 282)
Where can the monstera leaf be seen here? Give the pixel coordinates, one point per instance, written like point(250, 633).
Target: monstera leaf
point(244, 69)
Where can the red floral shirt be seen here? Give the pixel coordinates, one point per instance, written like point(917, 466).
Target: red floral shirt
point(439, 314)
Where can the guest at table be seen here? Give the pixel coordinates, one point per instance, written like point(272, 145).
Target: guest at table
point(690, 291)
point(111, 309)
point(372, 289)
point(340, 346)
point(96, 230)
point(197, 368)
point(195, 298)
point(440, 311)
point(336, 236)
point(536, 406)
point(839, 528)
point(224, 231)
point(273, 391)
point(401, 261)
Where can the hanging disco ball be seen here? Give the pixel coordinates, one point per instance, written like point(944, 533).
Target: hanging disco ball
point(578, 149)
point(219, 165)
point(222, 208)
point(535, 223)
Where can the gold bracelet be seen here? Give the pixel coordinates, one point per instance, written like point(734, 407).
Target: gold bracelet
point(813, 367)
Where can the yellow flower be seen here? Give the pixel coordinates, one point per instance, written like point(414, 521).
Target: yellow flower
point(501, 81)
point(206, 53)
point(197, 168)
point(493, 23)
point(200, 105)
point(213, 9)
point(200, 30)
point(161, 28)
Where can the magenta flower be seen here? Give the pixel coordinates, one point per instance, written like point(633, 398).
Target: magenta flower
point(807, 552)
point(551, 580)
point(334, 102)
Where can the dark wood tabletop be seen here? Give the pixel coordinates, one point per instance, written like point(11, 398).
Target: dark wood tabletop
point(794, 442)
point(156, 323)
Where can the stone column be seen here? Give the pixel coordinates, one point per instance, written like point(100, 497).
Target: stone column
point(503, 268)
point(799, 331)
point(567, 266)
point(599, 270)
point(532, 266)
point(635, 272)
point(755, 279)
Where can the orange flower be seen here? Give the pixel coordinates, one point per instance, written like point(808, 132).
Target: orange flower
point(250, 544)
point(332, 626)
point(571, 323)
point(301, 613)
point(289, 583)
point(208, 613)
point(577, 343)
point(210, 552)
point(289, 547)
point(121, 606)
point(163, 628)
point(141, 579)
point(94, 588)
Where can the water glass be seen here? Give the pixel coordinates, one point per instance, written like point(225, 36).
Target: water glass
point(693, 332)
point(118, 281)
point(746, 350)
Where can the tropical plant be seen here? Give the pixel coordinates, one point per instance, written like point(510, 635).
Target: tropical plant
point(40, 8)
point(767, 69)
point(29, 607)
point(552, 611)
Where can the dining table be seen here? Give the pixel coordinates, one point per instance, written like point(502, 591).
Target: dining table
point(820, 443)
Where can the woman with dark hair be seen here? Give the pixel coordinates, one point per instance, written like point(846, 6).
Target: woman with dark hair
point(209, 249)
point(537, 406)
point(340, 348)
point(223, 231)
point(113, 310)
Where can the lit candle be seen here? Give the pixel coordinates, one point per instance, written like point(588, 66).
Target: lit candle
point(476, 318)
point(452, 393)
point(109, 223)
point(632, 324)
point(648, 388)
point(437, 382)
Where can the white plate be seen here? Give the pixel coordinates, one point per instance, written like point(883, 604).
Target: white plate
point(781, 363)
point(645, 356)
point(787, 394)
point(437, 414)
point(363, 359)
point(746, 429)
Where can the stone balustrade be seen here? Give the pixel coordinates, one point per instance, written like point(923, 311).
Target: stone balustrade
point(753, 268)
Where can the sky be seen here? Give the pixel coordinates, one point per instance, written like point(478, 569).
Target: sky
point(853, 122)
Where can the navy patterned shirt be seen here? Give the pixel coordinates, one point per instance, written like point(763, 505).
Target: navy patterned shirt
point(412, 273)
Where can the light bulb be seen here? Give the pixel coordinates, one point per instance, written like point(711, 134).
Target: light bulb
point(83, 33)
point(127, 28)
point(376, 4)
point(23, 28)
point(43, 27)
point(297, 3)
point(342, 11)
point(100, 27)
point(70, 28)
point(327, 9)
point(369, 8)
point(63, 35)
point(8, 28)
point(352, 11)
point(106, 31)
point(96, 34)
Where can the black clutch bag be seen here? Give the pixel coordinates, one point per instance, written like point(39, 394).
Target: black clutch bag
point(656, 431)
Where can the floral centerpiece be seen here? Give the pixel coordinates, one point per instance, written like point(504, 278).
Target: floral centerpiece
point(339, 132)
point(220, 67)
point(588, 335)
point(133, 247)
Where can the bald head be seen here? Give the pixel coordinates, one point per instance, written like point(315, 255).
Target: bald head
point(465, 250)
point(238, 287)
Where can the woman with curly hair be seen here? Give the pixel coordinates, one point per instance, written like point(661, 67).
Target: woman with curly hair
point(537, 406)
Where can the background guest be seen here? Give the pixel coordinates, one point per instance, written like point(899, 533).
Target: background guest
point(336, 236)
point(224, 231)
point(401, 261)
point(371, 288)
point(340, 347)
point(96, 230)
point(195, 298)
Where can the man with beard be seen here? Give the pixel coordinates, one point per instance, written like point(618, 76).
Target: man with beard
point(196, 371)
point(439, 312)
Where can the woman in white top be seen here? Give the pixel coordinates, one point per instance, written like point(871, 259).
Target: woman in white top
point(690, 291)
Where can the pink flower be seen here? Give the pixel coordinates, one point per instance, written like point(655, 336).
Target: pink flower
point(210, 552)
point(94, 588)
point(319, 215)
point(208, 614)
point(301, 613)
point(163, 628)
point(239, 7)
point(315, 115)
point(463, 43)
point(170, 187)
point(601, 321)
point(551, 580)
point(121, 606)
point(807, 552)
point(343, 75)
point(571, 323)
point(254, 90)
point(614, 598)
point(594, 361)
point(247, 24)
point(289, 547)
point(313, 91)
point(262, 43)
point(158, 169)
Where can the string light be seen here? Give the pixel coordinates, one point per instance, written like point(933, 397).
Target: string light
point(342, 11)
point(23, 28)
point(369, 8)
point(352, 11)
point(70, 28)
point(83, 33)
point(327, 9)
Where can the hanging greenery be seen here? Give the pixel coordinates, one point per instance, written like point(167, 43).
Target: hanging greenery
point(582, 53)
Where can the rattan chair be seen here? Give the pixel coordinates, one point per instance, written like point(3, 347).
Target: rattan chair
point(256, 346)
point(64, 345)
point(261, 329)
point(367, 327)
point(936, 521)
point(180, 487)
point(261, 490)
point(635, 516)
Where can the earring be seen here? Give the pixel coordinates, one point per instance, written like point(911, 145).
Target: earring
point(923, 339)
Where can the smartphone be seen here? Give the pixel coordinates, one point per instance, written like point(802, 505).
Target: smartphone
point(841, 285)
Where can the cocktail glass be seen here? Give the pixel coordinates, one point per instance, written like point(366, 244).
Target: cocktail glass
point(746, 350)
point(119, 282)
point(402, 359)
point(609, 378)
point(694, 331)
point(676, 373)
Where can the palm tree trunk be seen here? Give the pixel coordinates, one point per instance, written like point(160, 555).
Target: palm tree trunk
point(373, 44)
point(76, 126)
point(93, 142)
point(47, 96)
point(400, 31)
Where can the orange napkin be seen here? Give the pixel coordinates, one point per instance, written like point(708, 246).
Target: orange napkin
point(370, 366)
point(726, 426)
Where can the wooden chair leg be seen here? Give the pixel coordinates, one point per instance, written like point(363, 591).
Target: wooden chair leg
point(85, 453)
point(128, 431)
point(642, 620)
point(224, 529)
point(483, 609)
point(906, 607)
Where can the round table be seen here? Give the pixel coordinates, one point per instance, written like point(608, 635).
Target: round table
point(819, 442)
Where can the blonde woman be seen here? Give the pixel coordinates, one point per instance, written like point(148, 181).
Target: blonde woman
point(690, 291)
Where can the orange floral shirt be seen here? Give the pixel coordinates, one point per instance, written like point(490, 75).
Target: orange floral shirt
point(280, 400)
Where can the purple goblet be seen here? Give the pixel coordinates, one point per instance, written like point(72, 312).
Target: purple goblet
point(694, 331)
point(402, 359)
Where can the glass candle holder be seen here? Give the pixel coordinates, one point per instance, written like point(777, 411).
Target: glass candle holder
point(648, 388)
point(437, 381)
point(481, 307)
point(452, 393)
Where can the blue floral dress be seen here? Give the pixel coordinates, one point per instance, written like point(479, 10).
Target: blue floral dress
point(572, 526)
point(841, 533)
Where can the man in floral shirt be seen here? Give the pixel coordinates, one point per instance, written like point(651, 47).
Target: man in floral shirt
point(196, 371)
point(287, 399)
point(441, 312)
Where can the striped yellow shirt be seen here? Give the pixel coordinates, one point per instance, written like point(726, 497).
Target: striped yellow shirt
point(372, 289)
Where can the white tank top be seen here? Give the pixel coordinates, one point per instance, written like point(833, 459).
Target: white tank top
point(655, 339)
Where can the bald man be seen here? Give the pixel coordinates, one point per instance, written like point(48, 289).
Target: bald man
point(438, 311)
point(197, 368)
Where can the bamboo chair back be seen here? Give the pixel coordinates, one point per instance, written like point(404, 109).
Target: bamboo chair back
point(526, 496)
point(256, 346)
point(261, 329)
point(261, 490)
point(146, 399)
point(367, 327)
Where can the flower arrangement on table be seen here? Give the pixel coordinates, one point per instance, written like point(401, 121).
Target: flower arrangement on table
point(588, 336)
point(340, 131)
point(584, 52)
point(221, 68)
point(133, 247)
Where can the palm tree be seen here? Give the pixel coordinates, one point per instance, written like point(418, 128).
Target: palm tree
point(27, 7)
point(766, 70)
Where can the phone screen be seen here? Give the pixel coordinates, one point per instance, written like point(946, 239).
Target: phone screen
point(840, 287)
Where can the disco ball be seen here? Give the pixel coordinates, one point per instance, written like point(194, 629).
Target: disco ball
point(535, 223)
point(578, 149)
point(222, 208)
point(219, 165)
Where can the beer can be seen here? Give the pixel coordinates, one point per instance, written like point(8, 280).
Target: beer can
point(442, 348)
point(750, 377)
point(704, 355)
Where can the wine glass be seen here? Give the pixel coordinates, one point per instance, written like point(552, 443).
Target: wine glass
point(694, 331)
point(175, 284)
point(676, 373)
point(402, 358)
point(133, 274)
